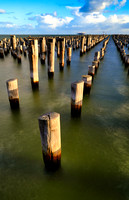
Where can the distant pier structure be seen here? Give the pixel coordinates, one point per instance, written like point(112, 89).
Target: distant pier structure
point(81, 33)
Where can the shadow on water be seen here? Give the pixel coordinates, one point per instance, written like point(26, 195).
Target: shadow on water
point(51, 84)
point(85, 182)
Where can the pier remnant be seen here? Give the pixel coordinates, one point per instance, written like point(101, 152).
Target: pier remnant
point(13, 94)
point(76, 98)
point(43, 50)
point(87, 83)
point(51, 56)
point(69, 54)
point(49, 125)
point(33, 58)
point(62, 52)
point(91, 70)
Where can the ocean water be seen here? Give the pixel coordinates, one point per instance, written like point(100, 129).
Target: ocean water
point(95, 148)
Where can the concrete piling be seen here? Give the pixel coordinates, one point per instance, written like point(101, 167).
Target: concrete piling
point(51, 56)
point(76, 98)
point(33, 58)
point(87, 83)
point(13, 94)
point(69, 55)
point(49, 125)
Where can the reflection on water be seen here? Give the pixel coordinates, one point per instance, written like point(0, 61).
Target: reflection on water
point(95, 147)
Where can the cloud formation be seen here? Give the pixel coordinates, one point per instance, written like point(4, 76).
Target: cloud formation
point(51, 20)
point(100, 5)
point(2, 11)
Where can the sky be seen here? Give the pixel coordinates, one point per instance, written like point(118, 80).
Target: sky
point(64, 17)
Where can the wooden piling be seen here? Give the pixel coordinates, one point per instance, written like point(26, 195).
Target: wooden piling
point(96, 64)
point(82, 46)
point(13, 42)
point(43, 50)
point(58, 48)
point(88, 43)
point(49, 125)
point(87, 83)
point(13, 94)
point(1, 53)
point(91, 70)
point(102, 53)
point(33, 58)
point(76, 98)
point(127, 60)
point(62, 52)
point(97, 56)
point(69, 55)
point(51, 56)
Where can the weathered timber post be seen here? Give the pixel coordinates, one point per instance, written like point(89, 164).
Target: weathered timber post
point(49, 125)
point(87, 83)
point(96, 64)
point(51, 56)
point(102, 53)
point(69, 54)
point(43, 50)
point(13, 94)
point(18, 54)
point(127, 60)
point(82, 46)
point(97, 56)
point(58, 48)
point(1, 53)
point(88, 43)
point(13, 42)
point(76, 98)
point(62, 52)
point(91, 70)
point(33, 58)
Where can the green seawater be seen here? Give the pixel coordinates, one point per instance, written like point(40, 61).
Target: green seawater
point(95, 148)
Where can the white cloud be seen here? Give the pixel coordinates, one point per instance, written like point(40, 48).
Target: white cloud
point(100, 5)
point(52, 21)
point(122, 3)
point(2, 11)
point(10, 25)
point(94, 18)
point(97, 5)
point(120, 19)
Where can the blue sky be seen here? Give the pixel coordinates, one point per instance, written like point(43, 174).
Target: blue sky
point(64, 17)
